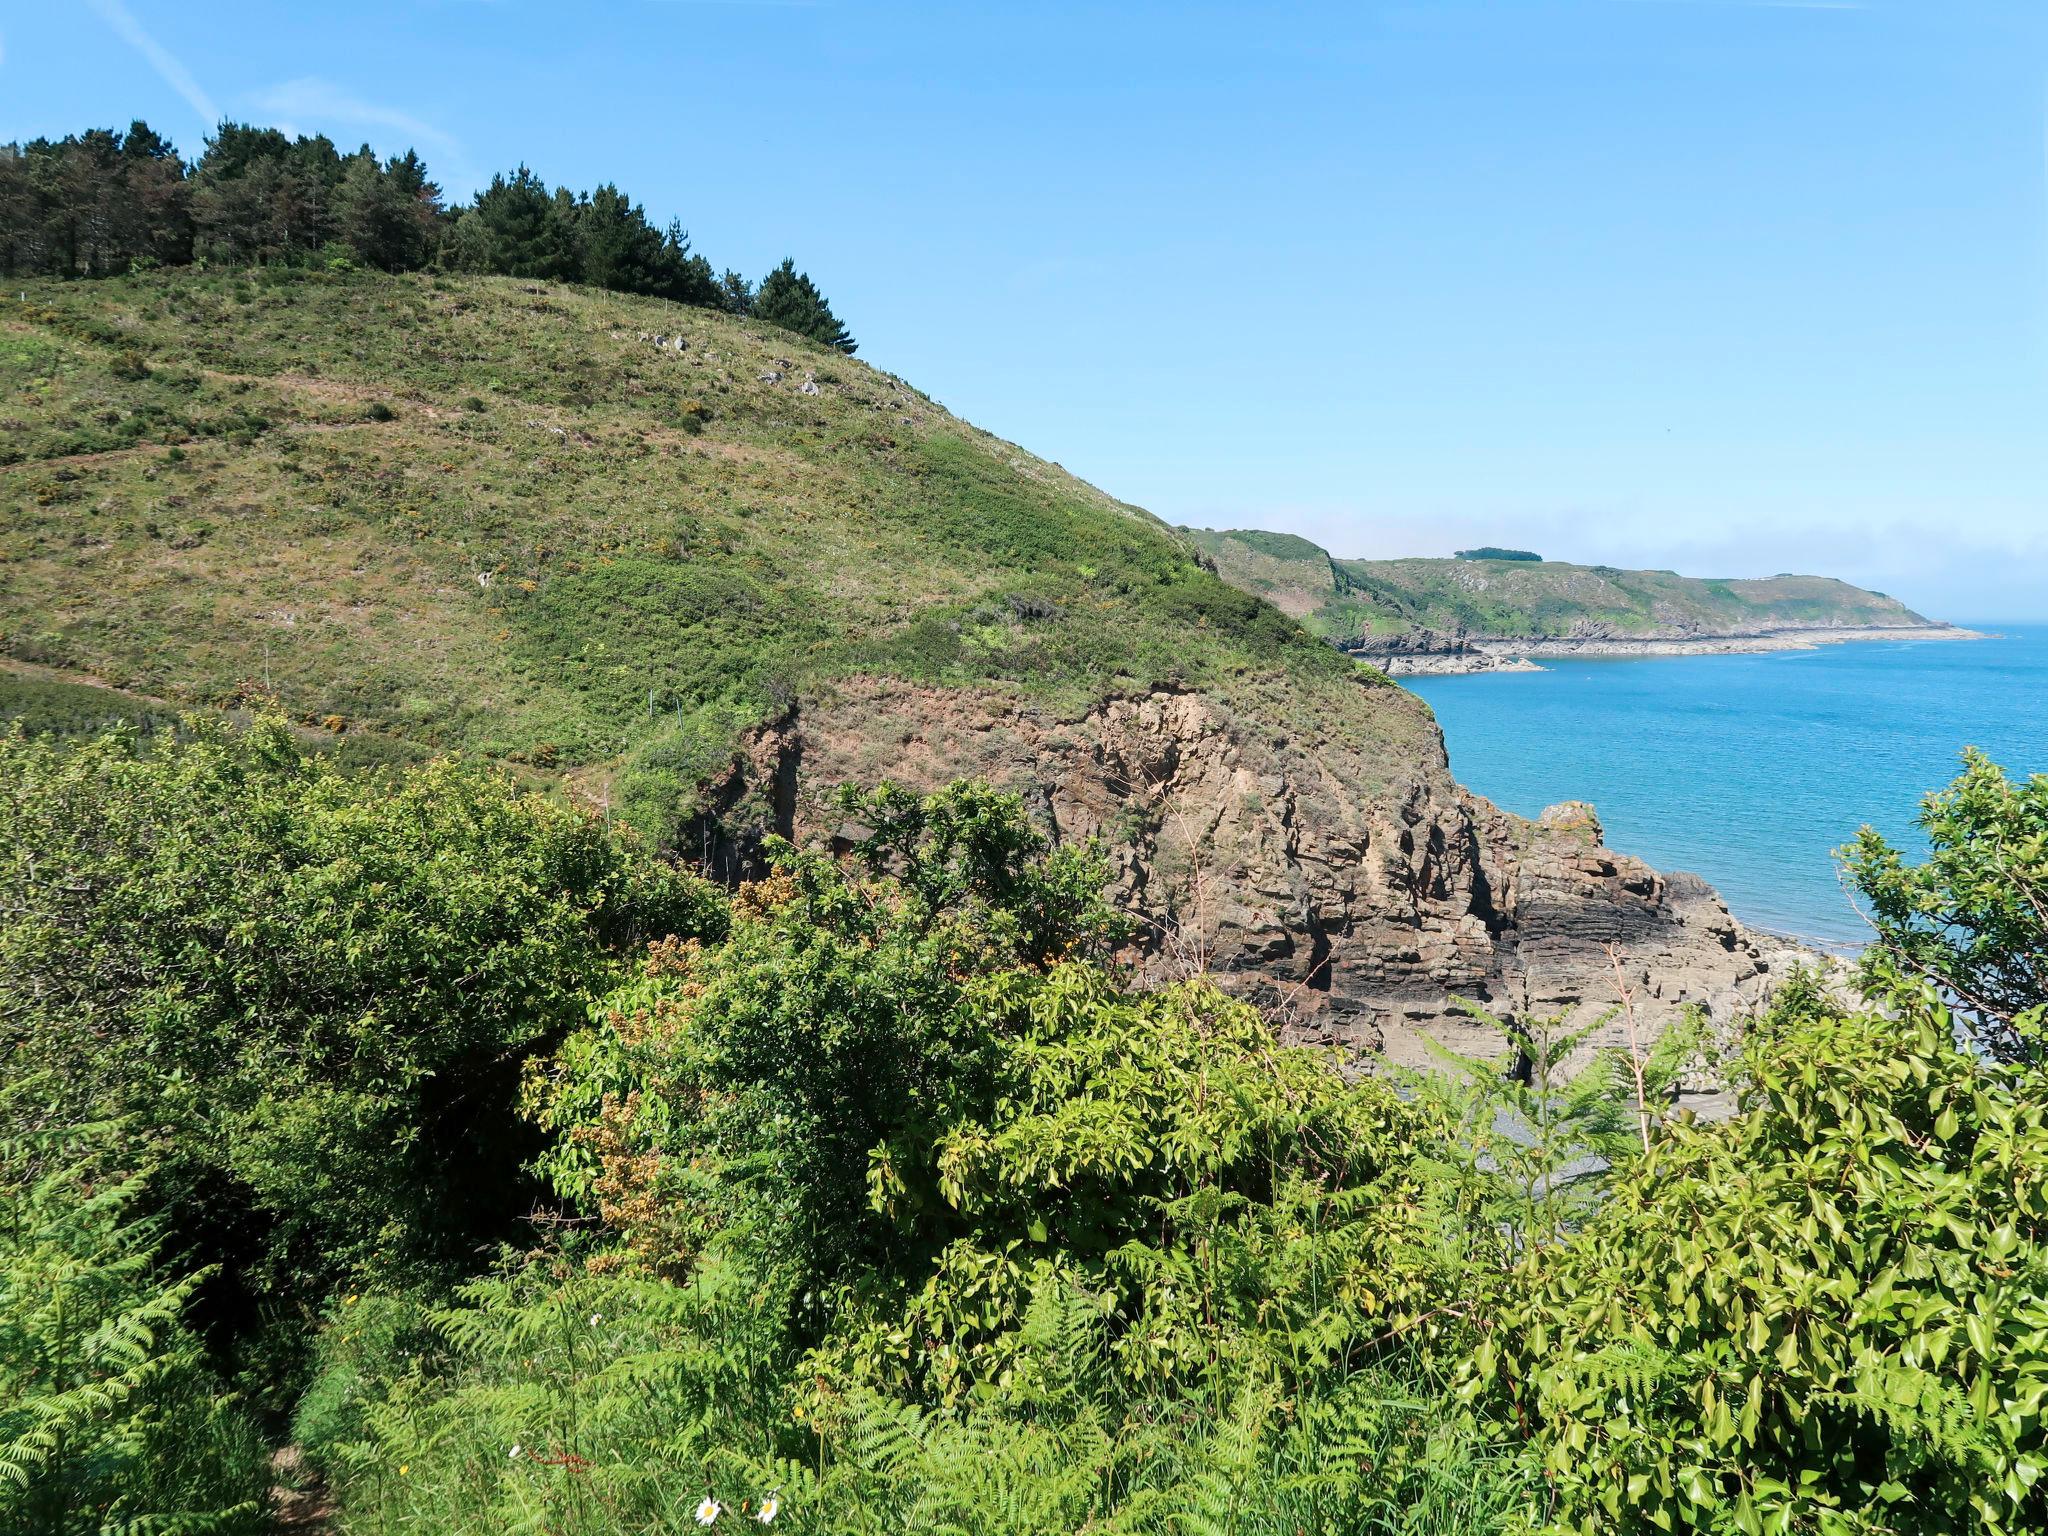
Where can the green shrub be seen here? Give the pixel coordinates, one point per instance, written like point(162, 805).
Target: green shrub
point(1829, 1314)
point(1972, 918)
point(921, 1102)
point(318, 987)
point(110, 1418)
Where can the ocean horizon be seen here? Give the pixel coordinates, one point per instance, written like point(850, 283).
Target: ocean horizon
point(1751, 770)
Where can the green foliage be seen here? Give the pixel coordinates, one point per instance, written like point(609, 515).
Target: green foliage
point(927, 1223)
point(1522, 1157)
point(790, 299)
point(921, 1102)
point(110, 1418)
point(552, 1397)
point(838, 1015)
point(104, 203)
point(93, 204)
point(1216, 1197)
point(320, 988)
point(1494, 552)
point(1973, 917)
point(1829, 1314)
point(898, 1202)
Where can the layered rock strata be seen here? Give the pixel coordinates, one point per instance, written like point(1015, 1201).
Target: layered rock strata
point(1355, 908)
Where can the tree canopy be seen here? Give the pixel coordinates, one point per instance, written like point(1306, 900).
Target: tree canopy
point(790, 299)
point(102, 203)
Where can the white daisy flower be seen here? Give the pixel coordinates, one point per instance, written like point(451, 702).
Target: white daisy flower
point(707, 1512)
point(770, 1508)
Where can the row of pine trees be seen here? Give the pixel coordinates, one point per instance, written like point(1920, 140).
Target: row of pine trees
point(104, 202)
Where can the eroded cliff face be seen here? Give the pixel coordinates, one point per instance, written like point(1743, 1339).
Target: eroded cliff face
point(1353, 895)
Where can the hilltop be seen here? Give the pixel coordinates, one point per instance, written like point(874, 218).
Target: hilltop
point(1436, 614)
point(700, 570)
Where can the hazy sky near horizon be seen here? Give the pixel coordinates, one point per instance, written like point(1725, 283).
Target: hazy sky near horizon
point(1726, 286)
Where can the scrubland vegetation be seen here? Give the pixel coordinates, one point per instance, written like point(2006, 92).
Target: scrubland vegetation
point(525, 1181)
point(370, 1098)
point(441, 511)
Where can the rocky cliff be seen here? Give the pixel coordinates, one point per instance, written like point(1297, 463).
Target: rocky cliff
point(1355, 908)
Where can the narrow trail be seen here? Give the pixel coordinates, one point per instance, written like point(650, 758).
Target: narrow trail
point(299, 1501)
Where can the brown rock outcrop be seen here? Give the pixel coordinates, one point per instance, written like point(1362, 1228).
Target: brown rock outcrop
point(1355, 899)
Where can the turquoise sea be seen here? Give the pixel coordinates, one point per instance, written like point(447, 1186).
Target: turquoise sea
point(1752, 770)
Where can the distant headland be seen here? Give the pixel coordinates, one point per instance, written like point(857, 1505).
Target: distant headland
point(1509, 609)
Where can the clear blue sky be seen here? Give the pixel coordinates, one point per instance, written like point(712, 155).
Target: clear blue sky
point(1730, 286)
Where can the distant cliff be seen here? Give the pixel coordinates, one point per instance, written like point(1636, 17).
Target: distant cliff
point(1475, 614)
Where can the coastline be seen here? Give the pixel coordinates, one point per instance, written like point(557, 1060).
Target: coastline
point(1465, 654)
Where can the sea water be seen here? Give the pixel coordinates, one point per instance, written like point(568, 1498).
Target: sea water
point(1752, 770)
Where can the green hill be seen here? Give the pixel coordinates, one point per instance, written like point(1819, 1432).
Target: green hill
point(1348, 601)
point(703, 588)
point(599, 535)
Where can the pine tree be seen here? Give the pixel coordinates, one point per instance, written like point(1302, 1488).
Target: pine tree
point(790, 299)
point(616, 247)
point(682, 274)
point(735, 293)
point(376, 218)
point(518, 229)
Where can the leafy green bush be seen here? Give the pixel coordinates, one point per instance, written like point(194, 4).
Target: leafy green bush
point(920, 1219)
point(1973, 918)
point(916, 1099)
point(317, 989)
point(1829, 1314)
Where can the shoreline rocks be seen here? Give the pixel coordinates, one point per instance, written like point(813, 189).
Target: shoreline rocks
point(1355, 909)
point(1425, 652)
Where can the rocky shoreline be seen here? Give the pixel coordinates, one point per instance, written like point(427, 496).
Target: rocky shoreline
point(1355, 899)
point(1432, 653)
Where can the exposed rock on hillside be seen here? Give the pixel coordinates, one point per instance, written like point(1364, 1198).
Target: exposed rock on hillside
point(1356, 912)
point(626, 544)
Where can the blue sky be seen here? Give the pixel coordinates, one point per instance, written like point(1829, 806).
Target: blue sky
point(1728, 286)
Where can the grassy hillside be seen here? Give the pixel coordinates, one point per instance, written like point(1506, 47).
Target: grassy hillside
point(1347, 600)
point(481, 513)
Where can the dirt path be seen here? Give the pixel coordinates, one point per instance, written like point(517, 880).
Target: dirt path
point(299, 1500)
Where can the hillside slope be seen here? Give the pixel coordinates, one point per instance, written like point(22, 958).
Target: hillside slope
point(703, 570)
point(1405, 610)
